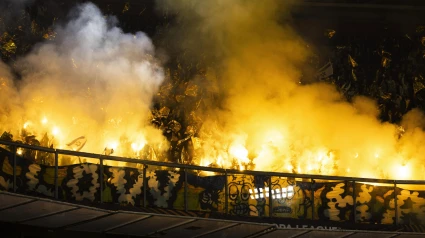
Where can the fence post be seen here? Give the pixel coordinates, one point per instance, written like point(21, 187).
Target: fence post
point(145, 183)
point(56, 175)
point(312, 197)
point(354, 201)
point(395, 203)
point(101, 178)
point(14, 168)
point(270, 198)
point(226, 194)
point(185, 190)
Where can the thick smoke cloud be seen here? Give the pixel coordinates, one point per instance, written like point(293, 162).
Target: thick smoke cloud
point(93, 80)
point(256, 58)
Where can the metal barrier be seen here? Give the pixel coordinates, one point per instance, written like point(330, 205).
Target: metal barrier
point(185, 168)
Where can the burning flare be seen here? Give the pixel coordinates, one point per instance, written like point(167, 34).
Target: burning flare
point(91, 87)
point(252, 60)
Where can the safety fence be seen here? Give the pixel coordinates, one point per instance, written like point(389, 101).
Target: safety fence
point(181, 187)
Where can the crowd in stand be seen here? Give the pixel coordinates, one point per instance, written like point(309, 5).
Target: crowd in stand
point(390, 69)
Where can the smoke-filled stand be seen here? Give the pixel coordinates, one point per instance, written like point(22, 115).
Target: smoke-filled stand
point(282, 116)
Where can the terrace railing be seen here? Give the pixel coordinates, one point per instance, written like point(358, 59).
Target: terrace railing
point(266, 193)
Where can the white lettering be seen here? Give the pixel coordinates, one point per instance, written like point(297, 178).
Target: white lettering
point(289, 226)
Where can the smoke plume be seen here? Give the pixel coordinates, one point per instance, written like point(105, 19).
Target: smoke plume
point(92, 80)
point(266, 115)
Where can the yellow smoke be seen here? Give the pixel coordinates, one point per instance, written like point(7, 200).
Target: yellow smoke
point(266, 116)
